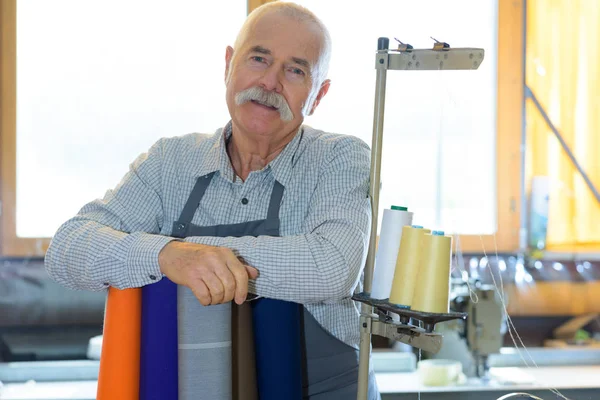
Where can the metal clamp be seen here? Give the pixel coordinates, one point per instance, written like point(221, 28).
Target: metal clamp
point(411, 335)
point(440, 45)
point(403, 46)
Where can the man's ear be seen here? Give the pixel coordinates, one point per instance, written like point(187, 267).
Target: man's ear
point(228, 58)
point(322, 92)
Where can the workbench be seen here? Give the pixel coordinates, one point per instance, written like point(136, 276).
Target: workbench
point(575, 382)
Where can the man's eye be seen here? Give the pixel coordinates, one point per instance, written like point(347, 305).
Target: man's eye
point(258, 59)
point(297, 71)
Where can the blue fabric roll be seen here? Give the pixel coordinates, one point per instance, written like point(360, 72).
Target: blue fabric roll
point(277, 337)
point(158, 356)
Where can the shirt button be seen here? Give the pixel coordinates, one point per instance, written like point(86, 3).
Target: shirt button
point(153, 277)
point(105, 283)
point(244, 201)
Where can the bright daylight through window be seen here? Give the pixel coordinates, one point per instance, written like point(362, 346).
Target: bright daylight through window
point(98, 82)
point(440, 126)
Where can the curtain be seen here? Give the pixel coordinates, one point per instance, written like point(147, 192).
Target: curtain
point(562, 69)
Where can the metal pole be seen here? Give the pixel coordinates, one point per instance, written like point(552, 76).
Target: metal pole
point(564, 144)
point(523, 231)
point(365, 332)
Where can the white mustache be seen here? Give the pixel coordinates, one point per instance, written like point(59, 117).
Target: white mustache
point(267, 98)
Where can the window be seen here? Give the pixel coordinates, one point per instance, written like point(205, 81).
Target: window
point(80, 86)
point(567, 89)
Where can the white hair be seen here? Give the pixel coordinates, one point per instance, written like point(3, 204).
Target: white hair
point(301, 14)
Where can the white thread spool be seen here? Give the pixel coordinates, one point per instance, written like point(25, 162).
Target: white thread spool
point(387, 251)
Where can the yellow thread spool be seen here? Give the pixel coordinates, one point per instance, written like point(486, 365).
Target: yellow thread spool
point(432, 287)
point(407, 265)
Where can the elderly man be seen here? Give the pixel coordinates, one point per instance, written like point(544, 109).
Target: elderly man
point(266, 206)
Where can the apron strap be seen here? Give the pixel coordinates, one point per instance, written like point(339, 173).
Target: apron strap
point(187, 214)
point(275, 203)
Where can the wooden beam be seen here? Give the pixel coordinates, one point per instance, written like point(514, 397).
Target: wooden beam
point(10, 244)
point(8, 115)
point(252, 4)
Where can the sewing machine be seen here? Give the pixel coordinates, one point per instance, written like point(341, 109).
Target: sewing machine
point(481, 334)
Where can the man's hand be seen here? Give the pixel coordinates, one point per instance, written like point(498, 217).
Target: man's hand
point(214, 274)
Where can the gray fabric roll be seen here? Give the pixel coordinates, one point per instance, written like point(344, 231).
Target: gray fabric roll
point(204, 337)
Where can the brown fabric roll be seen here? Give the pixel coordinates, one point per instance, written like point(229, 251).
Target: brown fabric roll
point(243, 361)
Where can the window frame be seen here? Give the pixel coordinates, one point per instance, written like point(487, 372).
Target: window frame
point(510, 97)
point(509, 126)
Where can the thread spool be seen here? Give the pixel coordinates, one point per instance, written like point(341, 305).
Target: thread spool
point(407, 266)
point(432, 288)
point(393, 221)
point(538, 215)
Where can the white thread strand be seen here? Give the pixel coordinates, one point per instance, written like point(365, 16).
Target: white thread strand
point(419, 392)
point(508, 318)
point(460, 263)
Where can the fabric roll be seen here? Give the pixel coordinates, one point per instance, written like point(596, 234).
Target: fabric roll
point(118, 377)
point(158, 359)
point(243, 359)
point(205, 360)
point(278, 342)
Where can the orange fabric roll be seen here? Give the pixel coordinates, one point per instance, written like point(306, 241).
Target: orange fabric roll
point(119, 375)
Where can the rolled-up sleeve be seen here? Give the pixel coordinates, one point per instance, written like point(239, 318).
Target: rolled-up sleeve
point(114, 241)
point(325, 262)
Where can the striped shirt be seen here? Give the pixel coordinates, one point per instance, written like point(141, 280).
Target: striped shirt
point(325, 219)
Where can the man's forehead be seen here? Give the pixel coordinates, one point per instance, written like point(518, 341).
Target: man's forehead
point(284, 36)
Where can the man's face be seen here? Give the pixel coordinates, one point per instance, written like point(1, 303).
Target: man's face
point(276, 63)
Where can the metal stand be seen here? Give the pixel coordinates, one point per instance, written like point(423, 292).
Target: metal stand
point(441, 57)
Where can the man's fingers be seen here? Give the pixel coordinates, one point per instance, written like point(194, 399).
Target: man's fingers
point(241, 278)
point(201, 292)
point(252, 272)
point(228, 282)
point(214, 285)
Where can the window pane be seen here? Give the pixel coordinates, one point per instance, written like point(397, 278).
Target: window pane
point(99, 81)
point(440, 126)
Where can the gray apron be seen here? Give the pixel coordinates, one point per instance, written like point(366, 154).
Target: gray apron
point(205, 333)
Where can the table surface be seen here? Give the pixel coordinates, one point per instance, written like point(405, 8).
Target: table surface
point(513, 379)
point(510, 378)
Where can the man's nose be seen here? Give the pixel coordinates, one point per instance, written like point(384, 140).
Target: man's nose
point(271, 79)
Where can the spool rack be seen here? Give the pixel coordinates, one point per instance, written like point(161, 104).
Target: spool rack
point(375, 316)
point(424, 320)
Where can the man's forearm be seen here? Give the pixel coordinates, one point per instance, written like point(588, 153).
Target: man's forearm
point(85, 254)
point(303, 268)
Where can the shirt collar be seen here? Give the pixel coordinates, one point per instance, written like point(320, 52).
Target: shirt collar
point(217, 158)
